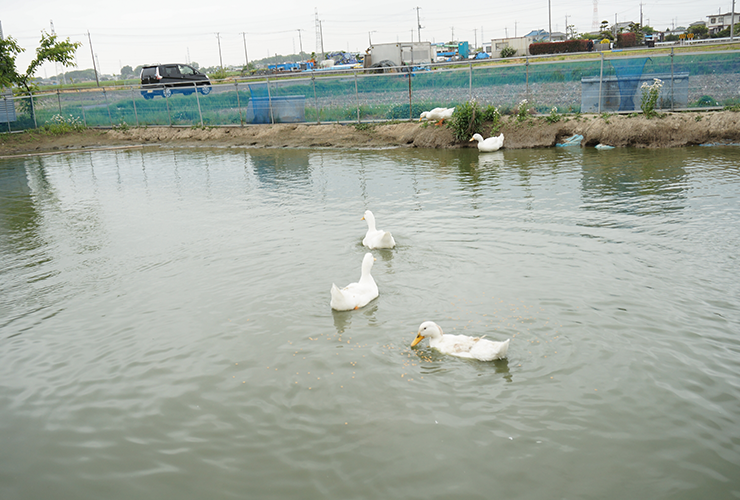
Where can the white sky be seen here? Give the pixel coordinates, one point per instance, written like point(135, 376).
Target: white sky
point(135, 32)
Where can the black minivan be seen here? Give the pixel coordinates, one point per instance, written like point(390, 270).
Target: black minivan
point(166, 79)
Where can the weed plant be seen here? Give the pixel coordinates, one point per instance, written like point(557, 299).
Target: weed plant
point(466, 121)
point(649, 100)
point(60, 125)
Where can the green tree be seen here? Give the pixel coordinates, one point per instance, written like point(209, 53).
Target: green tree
point(50, 49)
point(127, 71)
point(638, 30)
point(699, 31)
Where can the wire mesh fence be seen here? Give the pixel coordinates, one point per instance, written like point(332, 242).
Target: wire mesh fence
point(595, 83)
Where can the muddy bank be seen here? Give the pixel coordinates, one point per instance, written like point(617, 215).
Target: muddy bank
point(670, 130)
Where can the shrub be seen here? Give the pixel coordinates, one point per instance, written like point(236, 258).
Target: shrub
point(508, 52)
point(554, 116)
point(58, 125)
point(650, 94)
point(558, 47)
point(626, 40)
point(466, 121)
point(522, 112)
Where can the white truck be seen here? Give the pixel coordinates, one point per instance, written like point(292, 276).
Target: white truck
point(399, 54)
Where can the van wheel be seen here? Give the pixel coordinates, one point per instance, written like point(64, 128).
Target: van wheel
point(167, 92)
point(205, 89)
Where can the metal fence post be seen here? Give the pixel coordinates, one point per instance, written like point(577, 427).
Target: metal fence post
point(7, 113)
point(601, 80)
point(315, 98)
point(411, 112)
point(33, 112)
point(84, 117)
point(197, 99)
point(167, 101)
point(672, 99)
point(269, 101)
point(526, 67)
point(357, 97)
point(59, 102)
point(470, 81)
point(133, 101)
point(107, 107)
point(238, 103)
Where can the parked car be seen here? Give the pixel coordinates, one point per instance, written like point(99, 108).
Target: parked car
point(166, 79)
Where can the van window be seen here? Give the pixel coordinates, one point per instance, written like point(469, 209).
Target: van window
point(171, 72)
point(187, 70)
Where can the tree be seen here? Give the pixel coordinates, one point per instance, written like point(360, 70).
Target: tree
point(570, 31)
point(127, 71)
point(699, 31)
point(50, 50)
point(605, 31)
point(638, 30)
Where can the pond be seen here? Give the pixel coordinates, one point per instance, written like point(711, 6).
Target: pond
point(165, 328)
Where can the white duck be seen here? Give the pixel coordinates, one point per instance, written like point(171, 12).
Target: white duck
point(375, 238)
point(356, 295)
point(438, 115)
point(461, 345)
point(490, 144)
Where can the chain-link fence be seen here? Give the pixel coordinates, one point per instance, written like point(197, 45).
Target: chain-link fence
point(589, 83)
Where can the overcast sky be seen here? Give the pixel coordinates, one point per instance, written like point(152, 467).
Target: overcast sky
point(135, 32)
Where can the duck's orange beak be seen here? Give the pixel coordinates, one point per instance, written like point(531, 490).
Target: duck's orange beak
point(419, 338)
point(363, 218)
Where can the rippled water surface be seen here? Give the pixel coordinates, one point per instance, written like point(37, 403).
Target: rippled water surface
point(165, 329)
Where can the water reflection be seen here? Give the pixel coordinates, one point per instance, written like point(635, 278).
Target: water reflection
point(275, 165)
point(640, 183)
point(491, 160)
point(343, 319)
point(166, 298)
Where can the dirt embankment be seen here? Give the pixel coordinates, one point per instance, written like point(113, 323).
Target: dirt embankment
point(670, 130)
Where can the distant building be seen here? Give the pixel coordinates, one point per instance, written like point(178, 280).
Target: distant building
point(521, 44)
point(721, 21)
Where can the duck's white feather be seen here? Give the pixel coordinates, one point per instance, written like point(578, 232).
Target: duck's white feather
point(375, 238)
point(490, 144)
point(356, 295)
point(461, 345)
point(437, 114)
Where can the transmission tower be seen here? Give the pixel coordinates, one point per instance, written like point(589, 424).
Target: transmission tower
point(595, 24)
point(319, 41)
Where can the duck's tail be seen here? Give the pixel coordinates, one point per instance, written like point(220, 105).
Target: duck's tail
point(337, 298)
point(387, 240)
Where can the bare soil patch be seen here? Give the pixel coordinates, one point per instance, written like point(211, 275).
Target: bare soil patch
point(669, 130)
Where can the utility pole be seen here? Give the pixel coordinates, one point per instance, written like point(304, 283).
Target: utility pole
point(321, 30)
point(549, 22)
point(475, 37)
point(566, 26)
point(246, 56)
point(418, 22)
point(732, 21)
point(92, 53)
point(220, 60)
point(56, 65)
point(300, 41)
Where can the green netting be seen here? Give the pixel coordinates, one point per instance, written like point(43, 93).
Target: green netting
point(593, 84)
